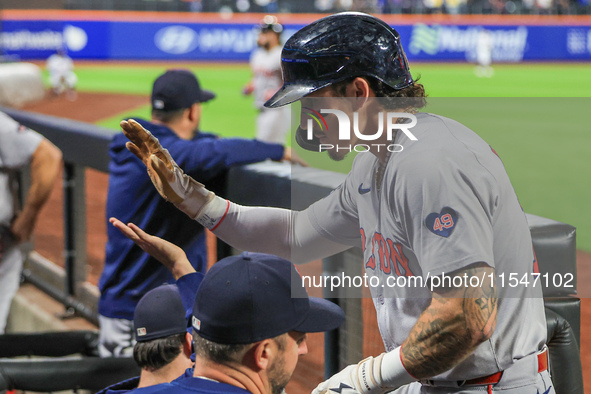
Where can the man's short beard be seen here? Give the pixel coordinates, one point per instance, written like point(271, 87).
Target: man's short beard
point(278, 377)
point(337, 156)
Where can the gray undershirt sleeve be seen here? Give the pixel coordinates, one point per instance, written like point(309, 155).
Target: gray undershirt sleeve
point(282, 232)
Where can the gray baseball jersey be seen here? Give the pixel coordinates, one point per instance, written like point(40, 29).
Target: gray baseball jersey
point(445, 203)
point(266, 67)
point(17, 145)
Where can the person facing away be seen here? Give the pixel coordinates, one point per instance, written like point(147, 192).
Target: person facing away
point(128, 273)
point(163, 345)
point(250, 320)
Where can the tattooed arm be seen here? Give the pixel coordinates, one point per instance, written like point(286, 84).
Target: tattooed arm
point(454, 324)
point(448, 331)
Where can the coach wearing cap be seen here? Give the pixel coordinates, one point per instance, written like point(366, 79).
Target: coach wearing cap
point(128, 271)
point(250, 320)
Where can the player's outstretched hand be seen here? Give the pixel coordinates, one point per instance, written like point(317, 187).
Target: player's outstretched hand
point(148, 149)
point(169, 179)
point(362, 378)
point(341, 382)
point(170, 255)
point(290, 155)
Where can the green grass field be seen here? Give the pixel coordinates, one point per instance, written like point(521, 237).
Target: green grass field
point(544, 142)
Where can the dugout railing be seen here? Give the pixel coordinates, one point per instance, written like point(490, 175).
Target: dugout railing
point(86, 146)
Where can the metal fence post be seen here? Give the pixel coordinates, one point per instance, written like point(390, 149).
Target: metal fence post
point(74, 227)
point(331, 266)
point(345, 345)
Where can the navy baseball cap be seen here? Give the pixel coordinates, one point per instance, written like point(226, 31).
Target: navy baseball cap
point(253, 296)
point(159, 313)
point(178, 89)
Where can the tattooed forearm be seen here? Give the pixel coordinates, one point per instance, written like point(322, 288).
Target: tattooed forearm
point(451, 328)
point(480, 309)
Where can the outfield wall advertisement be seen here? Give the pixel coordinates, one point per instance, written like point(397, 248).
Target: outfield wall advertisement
point(154, 40)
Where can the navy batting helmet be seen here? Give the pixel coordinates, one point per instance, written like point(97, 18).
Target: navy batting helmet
point(337, 47)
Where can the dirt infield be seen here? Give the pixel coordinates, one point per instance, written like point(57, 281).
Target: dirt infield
point(49, 239)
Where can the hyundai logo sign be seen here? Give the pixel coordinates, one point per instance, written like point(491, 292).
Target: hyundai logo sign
point(176, 39)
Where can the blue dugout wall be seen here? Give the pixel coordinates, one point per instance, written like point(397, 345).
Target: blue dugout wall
point(208, 37)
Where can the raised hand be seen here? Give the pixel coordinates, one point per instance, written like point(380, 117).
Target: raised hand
point(170, 255)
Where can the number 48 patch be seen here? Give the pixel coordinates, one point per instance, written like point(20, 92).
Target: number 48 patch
point(442, 223)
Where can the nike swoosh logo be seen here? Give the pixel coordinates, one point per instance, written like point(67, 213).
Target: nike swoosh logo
point(361, 190)
point(547, 391)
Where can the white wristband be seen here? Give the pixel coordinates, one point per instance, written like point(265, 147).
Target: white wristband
point(393, 372)
point(212, 214)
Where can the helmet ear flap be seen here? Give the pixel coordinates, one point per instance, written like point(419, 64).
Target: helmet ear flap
point(311, 145)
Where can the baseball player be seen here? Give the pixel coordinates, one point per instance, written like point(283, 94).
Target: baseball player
point(265, 62)
point(61, 74)
point(484, 47)
point(442, 207)
point(19, 147)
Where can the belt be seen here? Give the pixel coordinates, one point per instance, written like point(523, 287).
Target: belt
point(496, 377)
point(490, 379)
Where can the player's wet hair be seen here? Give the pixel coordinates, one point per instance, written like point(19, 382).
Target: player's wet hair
point(414, 94)
point(167, 116)
point(225, 353)
point(158, 353)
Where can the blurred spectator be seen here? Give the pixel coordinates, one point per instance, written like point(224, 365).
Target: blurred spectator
point(195, 5)
point(227, 7)
point(455, 6)
point(544, 6)
point(433, 6)
point(367, 6)
point(19, 147)
point(324, 5)
point(61, 74)
point(128, 272)
point(396, 6)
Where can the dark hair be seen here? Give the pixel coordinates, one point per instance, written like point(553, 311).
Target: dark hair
point(157, 353)
point(221, 353)
point(413, 96)
point(167, 116)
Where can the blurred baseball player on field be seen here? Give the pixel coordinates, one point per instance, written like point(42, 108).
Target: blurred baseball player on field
point(484, 47)
point(61, 74)
point(441, 207)
point(272, 123)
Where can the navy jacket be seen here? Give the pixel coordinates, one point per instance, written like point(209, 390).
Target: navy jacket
point(187, 384)
point(129, 272)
